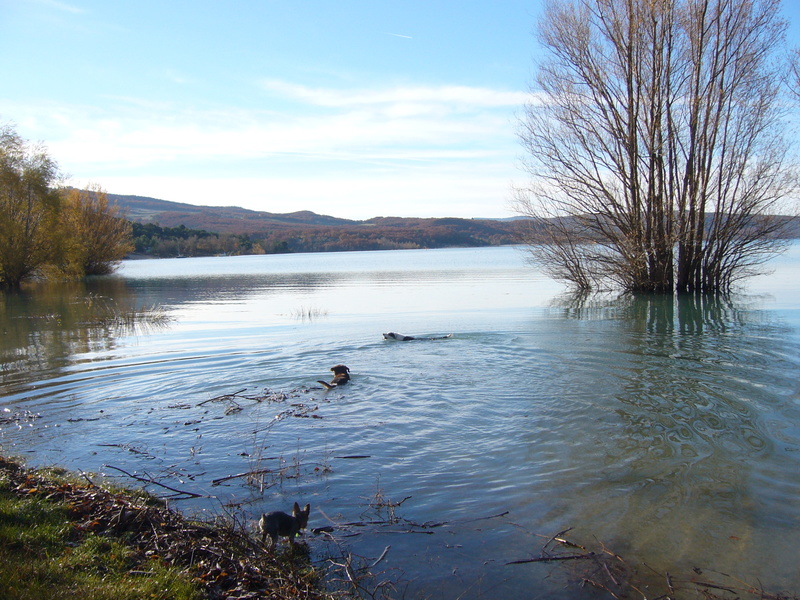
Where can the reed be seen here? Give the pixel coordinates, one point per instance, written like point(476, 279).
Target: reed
point(308, 313)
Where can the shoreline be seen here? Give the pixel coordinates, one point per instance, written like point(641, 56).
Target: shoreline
point(160, 545)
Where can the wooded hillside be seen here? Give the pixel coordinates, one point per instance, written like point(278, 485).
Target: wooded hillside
point(172, 228)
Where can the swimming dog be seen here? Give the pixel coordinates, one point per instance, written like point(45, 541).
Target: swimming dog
point(278, 523)
point(407, 338)
point(341, 375)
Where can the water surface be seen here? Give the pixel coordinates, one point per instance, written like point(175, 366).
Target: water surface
point(668, 429)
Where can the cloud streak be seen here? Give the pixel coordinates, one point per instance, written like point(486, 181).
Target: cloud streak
point(361, 144)
point(453, 96)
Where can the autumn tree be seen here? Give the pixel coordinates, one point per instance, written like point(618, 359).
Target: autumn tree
point(29, 207)
point(46, 229)
point(655, 142)
point(96, 236)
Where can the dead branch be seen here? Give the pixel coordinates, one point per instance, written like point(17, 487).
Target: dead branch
point(238, 475)
point(552, 558)
point(223, 397)
point(151, 481)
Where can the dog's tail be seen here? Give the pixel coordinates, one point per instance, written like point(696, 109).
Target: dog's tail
point(328, 386)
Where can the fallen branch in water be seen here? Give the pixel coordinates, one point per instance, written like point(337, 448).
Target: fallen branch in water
point(238, 475)
point(151, 481)
point(355, 456)
point(523, 561)
point(222, 398)
point(381, 557)
point(606, 571)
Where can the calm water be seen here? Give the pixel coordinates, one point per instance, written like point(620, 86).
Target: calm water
point(668, 430)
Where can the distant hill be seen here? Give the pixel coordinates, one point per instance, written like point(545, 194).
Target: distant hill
point(220, 219)
point(305, 231)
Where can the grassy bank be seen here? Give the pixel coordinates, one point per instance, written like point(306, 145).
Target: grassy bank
point(65, 537)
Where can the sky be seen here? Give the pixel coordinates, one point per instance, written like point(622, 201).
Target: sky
point(353, 108)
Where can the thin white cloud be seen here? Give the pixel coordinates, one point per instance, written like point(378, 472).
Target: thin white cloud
point(453, 95)
point(439, 144)
point(436, 193)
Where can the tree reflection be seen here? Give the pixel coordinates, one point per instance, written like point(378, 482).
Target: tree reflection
point(692, 382)
point(45, 326)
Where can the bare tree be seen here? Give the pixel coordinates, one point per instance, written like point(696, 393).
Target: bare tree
point(655, 142)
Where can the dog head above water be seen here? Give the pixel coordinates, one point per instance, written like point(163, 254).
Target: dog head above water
point(397, 336)
point(341, 375)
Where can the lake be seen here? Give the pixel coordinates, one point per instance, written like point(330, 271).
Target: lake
point(666, 429)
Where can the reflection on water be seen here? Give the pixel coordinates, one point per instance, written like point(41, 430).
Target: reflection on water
point(698, 386)
point(668, 428)
point(44, 328)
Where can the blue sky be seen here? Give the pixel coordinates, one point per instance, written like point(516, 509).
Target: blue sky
point(349, 108)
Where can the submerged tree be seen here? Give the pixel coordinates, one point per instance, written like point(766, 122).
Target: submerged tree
point(655, 144)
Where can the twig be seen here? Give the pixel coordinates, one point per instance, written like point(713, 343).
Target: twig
point(245, 474)
point(87, 478)
point(502, 514)
point(222, 397)
point(154, 482)
point(716, 587)
point(610, 576)
point(381, 557)
point(558, 535)
point(355, 456)
point(551, 558)
point(601, 586)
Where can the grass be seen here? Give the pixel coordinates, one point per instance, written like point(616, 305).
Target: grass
point(64, 537)
point(45, 554)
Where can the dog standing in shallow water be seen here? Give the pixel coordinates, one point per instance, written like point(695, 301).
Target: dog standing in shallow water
point(341, 375)
point(278, 523)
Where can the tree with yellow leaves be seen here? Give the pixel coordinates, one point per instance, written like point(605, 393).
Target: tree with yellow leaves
point(96, 236)
point(46, 229)
point(29, 206)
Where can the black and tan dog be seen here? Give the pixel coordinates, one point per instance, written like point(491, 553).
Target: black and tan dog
point(341, 375)
point(407, 338)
